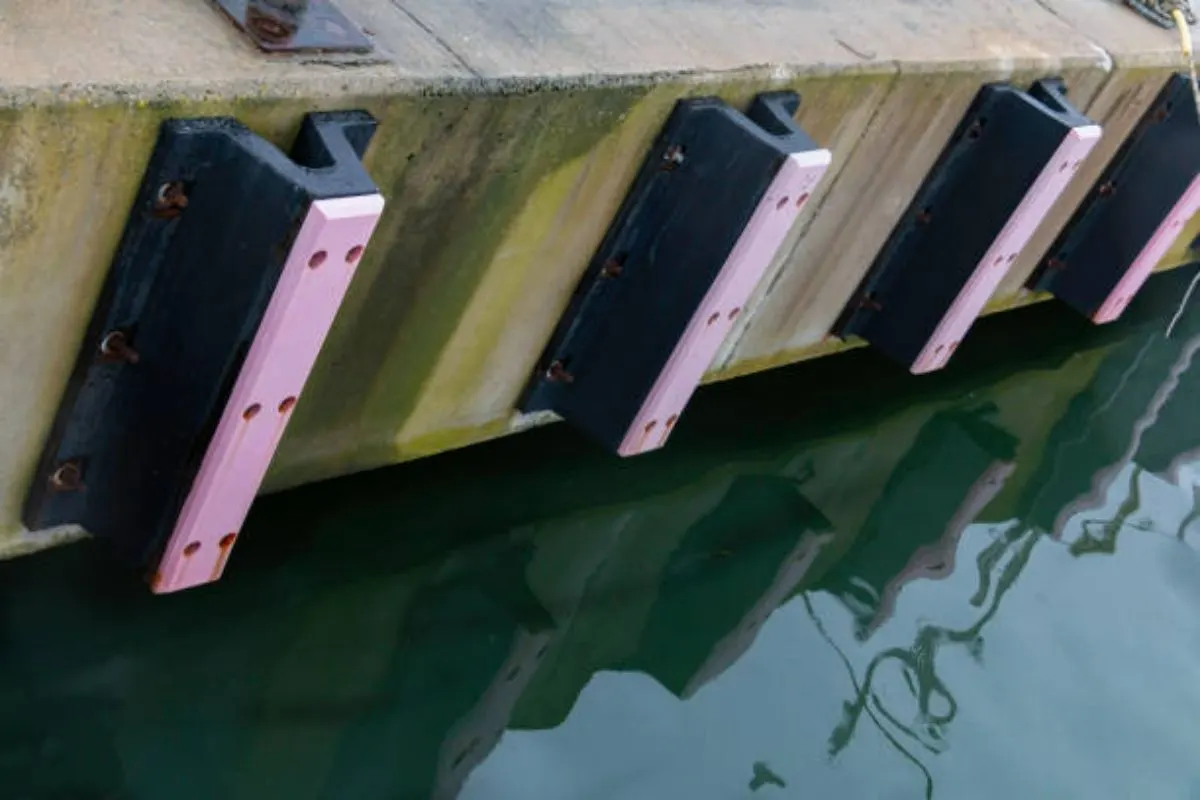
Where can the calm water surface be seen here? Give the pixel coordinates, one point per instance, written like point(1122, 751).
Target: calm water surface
point(839, 581)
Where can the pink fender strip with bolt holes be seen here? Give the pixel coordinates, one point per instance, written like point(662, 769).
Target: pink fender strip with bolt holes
point(1016, 233)
point(714, 318)
point(314, 281)
point(1160, 242)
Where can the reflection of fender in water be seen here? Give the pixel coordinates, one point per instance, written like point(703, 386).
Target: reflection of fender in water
point(463, 654)
point(474, 737)
point(956, 466)
point(734, 644)
point(1172, 443)
point(712, 601)
point(937, 561)
point(1103, 479)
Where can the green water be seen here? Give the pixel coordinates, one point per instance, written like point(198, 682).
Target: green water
point(839, 581)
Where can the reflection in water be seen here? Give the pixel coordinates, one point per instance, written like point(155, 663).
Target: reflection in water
point(733, 567)
point(936, 706)
point(837, 582)
point(958, 463)
point(763, 776)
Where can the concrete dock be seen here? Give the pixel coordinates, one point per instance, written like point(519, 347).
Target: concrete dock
point(509, 134)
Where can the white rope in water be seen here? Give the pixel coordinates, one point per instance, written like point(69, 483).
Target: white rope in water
point(1183, 303)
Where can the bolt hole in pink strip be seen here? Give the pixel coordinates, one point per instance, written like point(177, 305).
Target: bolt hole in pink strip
point(723, 303)
point(314, 280)
point(1015, 234)
point(1158, 245)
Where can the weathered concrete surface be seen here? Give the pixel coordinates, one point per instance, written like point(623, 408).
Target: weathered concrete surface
point(509, 134)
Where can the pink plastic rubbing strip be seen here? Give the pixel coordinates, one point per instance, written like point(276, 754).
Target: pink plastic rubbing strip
point(1164, 236)
point(1004, 250)
point(723, 302)
point(311, 287)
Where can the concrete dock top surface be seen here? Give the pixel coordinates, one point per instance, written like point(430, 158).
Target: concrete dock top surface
point(104, 50)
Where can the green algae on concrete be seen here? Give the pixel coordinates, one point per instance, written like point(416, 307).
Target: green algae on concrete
point(477, 255)
point(452, 192)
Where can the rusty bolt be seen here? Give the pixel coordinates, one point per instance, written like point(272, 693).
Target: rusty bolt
point(869, 302)
point(170, 200)
point(611, 269)
point(115, 347)
point(673, 157)
point(557, 373)
point(68, 477)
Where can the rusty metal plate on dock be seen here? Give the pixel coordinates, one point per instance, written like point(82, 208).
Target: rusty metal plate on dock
point(292, 26)
point(709, 210)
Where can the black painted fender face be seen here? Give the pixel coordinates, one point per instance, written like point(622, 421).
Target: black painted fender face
point(707, 213)
point(1005, 165)
point(1134, 213)
point(194, 312)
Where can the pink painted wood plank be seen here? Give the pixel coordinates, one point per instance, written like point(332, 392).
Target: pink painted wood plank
point(723, 302)
point(1158, 245)
point(1015, 234)
point(301, 311)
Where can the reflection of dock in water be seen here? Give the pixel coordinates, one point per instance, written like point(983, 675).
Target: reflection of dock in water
point(958, 463)
point(683, 585)
point(732, 568)
point(937, 561)
point(601, 610)
point(445, 691)
point(701, 629)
